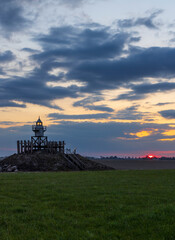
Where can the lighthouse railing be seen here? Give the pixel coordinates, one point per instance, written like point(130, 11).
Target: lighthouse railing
point(35, 128)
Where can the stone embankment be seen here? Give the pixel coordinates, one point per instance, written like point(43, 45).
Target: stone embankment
point(40, 161)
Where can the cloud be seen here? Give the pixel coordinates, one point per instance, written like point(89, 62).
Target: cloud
point(169, 114)
point(130, 97)
point(95, 138)
point(88, 103)
point(75, 3)
point(103, 138)
point(58, 116)
point(11, 16)
point(129, 113)
point(97, 58)
point(147, 22)
point(72, 3)
point(107, 74)
point(6, 103)
point(8, 123)
point(7, 56)
point(164, 103)
point(75, 43)
point(93, 56)
point(140, 91)
point(30, 50)
point(34, 89)
point(152, 88)
point(102, 108)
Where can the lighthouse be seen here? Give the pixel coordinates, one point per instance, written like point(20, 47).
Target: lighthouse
point(39, 129)
point(39, 140)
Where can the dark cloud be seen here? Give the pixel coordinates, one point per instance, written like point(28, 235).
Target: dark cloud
point(153, 88)
point(140, 91)
point(88, 101)
point(143, 21)
point(34, 89)
point(164, 103)
point(129, 113)
point(107, 74)
point(81, 44)
point(58, 116)
point(92, 56)
point(30, 50)
point(169, 114)
point(6, 103)
point(7, 56)
point(130, 96)
point(11, 16)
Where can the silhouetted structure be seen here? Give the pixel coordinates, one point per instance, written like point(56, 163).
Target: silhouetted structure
point(39, 142)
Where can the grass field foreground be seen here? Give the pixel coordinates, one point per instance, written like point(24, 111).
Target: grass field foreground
point(107, 205)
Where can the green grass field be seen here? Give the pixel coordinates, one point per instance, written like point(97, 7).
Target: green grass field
point(88, 205)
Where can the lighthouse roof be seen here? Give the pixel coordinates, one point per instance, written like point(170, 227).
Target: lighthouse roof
point(39, 120)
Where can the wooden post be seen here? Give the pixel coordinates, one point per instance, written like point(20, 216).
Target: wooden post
point(21, 146)
point(48, 147)
point(31, 147)
point(28, 146)
point(56, 146)
point(18, 148)
point(59, 145)
point(63, 146)
point(24, 146)
point(52, 147)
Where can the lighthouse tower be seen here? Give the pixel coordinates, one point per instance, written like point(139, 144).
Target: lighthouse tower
point(39, 140)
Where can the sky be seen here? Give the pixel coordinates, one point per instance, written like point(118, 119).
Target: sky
point(99, 73)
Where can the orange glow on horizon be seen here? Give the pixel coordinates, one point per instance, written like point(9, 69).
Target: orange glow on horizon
point(166, 139)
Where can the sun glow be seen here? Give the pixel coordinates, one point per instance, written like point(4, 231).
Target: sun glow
point(142, 134)
point(169, 133)
point(166, 139)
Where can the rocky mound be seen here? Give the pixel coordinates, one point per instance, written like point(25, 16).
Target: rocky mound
point(40, 161)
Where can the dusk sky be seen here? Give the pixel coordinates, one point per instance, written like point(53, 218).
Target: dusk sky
point(99, 73)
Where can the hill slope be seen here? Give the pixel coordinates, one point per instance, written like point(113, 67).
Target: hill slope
point(40, 161)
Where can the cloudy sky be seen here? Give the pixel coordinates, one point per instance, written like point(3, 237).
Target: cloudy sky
point(99, 73)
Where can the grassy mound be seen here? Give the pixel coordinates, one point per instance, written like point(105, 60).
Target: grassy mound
point(41, 161)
